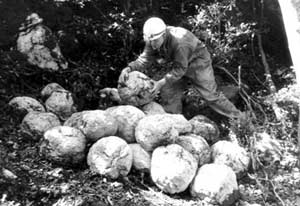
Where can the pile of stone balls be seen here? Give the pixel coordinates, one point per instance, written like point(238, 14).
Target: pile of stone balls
point(179, 154)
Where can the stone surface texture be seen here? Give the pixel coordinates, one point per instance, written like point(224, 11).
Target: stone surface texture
point(172, 168)
point(94, 124)
point(64, 145)
point(127, 117)
point(110, 156)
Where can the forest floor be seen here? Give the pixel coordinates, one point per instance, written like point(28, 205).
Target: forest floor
point(38, 182)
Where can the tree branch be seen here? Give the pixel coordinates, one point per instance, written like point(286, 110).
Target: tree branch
point(269, 80)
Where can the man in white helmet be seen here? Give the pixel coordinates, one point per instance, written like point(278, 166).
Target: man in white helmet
point(191, 62)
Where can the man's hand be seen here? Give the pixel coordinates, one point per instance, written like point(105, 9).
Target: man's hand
point(124, 75)
point(157, 86)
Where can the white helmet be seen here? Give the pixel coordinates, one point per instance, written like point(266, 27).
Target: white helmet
point(154, 28)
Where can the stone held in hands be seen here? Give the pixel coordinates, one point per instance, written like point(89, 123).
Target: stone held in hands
point(35, 124)
point(172, 168)
point(110, 156)
point(232, 155)
point(61, 103)
point(215, 183)
point(64, 145)
point(160, 129)
point(197, 146)
point(94, 124)
point(136, 90)
point(127, 118)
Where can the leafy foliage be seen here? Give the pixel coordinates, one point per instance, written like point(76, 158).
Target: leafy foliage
point(99, 38)
point(228, 35)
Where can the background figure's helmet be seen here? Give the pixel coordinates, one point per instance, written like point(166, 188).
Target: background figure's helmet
point(31, 20)
point(154, 28)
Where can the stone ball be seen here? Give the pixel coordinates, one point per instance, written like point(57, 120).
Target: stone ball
point(232, 155)
point(35, 124)
point(22, 105)
point(172, 168)
point(64, 145)
point(127, 117)
point(215, 183)
point(160, 129)
point(206, 128)
point(49, 89)
point(136, 89)
point(141, 158)
point(197, 146)
point(110, 156)
point(61, 103)
point(153, 108)
point(181, 124)
point(94, 124)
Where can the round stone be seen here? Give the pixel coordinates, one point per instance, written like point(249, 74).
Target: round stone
point(35, 124)
point(94, 124)
point(172, 168)
point(136, 90)
point(61, 103)
point(110, 156)
point(160, 129)
point(127, 118)
point(64, 145)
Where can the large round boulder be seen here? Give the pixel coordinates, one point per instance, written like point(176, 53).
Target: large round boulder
point(197, 146)
point(136, 90)
point(216, 184)
point(153, 108)
point(127, 117)
point(64, 145)
point(94, 124)
point(110, 156)
point(172, 168)
point(23, 104)
point(160, 129)
point(180, 123)
point(35, 124)
point(206, 128)
point(141, 158)
point(61, 103)
point(49, 89)
point(232, 155)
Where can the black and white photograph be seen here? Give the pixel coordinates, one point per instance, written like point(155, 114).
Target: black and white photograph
point(149, 102)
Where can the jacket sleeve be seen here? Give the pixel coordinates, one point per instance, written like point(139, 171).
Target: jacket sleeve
point(144, 60)
point(180, 65)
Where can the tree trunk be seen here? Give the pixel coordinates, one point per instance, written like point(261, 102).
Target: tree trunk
point(290, 10)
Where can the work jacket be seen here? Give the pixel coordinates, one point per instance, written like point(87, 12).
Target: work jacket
point(181, 47)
